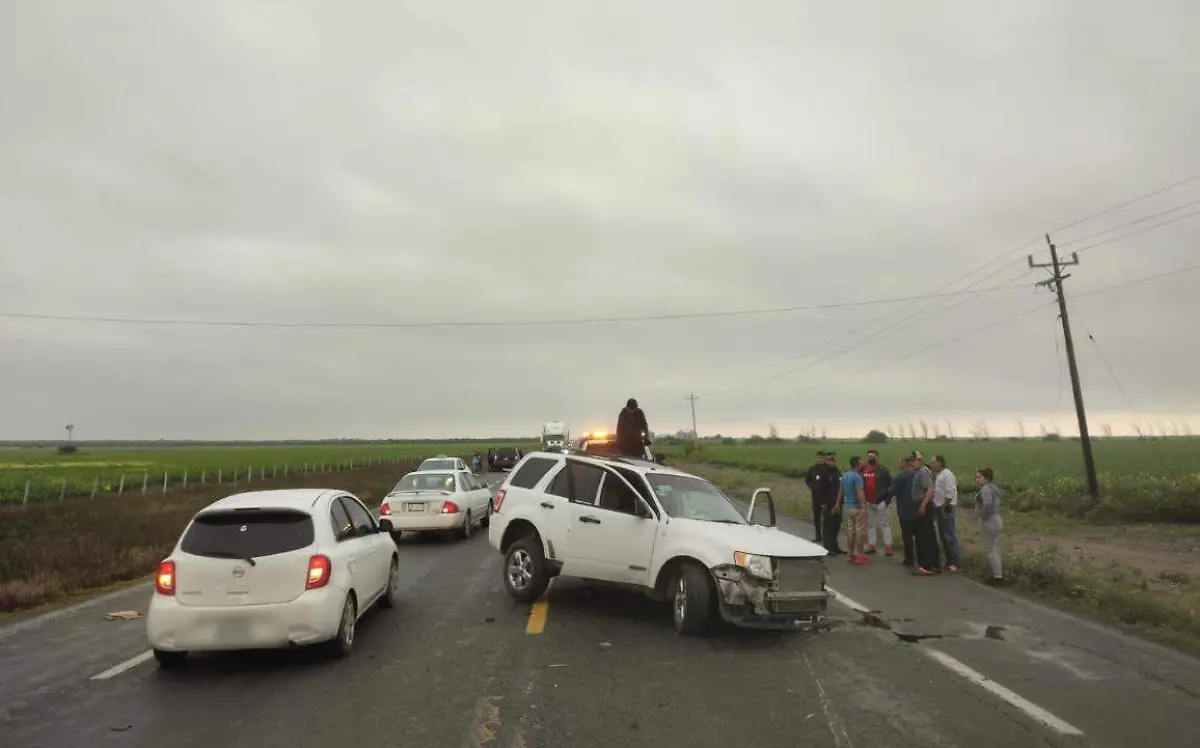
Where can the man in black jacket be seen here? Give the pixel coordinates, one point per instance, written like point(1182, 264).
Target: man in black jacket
point(632, 430)
point(823, 481)
point(810, 479)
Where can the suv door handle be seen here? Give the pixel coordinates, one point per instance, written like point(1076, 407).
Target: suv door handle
point(547, 505)
point(589, 519)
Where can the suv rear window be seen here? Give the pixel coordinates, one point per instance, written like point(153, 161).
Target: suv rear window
point(506, 452)
point(531, 472)
point(248, 534)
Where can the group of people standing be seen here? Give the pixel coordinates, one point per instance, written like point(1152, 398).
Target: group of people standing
point(926, 500)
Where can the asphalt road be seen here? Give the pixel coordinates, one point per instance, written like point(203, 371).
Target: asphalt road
point(459, 663)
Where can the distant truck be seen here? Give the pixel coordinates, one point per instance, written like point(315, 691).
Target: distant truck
point(555, 437)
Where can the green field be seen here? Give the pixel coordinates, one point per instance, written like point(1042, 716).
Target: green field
point(46, 471)
point(1141, 480)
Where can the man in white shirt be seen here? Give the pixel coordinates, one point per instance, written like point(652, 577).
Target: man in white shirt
point(945, 502)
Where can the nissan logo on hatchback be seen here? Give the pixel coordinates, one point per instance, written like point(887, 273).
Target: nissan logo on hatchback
point(239, 572)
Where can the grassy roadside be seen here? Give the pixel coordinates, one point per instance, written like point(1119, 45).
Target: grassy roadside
point(1144, 579)
point(56, 551)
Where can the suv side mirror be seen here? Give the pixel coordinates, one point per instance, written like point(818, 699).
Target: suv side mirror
point(770, 506)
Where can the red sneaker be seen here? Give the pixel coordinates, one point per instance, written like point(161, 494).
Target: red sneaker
point(922, 572)
point(862, 560)
point(871, 550)
point(887, 551)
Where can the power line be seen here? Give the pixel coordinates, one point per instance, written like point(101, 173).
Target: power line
point(1103, 358)
point(1136, 281)
point(1142, 230)
point(481, 323)
point(1129, 223)
point(933, 294)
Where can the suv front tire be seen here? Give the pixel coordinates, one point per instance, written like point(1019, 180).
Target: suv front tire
point(525, 574)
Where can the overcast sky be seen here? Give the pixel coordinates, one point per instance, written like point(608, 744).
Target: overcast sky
point(403, 162)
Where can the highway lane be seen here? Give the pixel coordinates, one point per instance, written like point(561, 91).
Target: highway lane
point(455, 665)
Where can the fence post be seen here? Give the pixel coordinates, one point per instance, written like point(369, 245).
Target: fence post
point(121, 486)
point(262, 473)
point(25, 500)
point(235, 476)
point(250, 474)
point(274, 471)
point(204, 476)
point(62, 494)
point(165, 474)
point(351, 463)
point(185, 479)
point(285, 470)
point(95, 486)
point(145, 480)
point(220, 475)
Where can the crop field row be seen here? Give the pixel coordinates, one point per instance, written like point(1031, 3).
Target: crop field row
point(28, 475)
point(1140, 480)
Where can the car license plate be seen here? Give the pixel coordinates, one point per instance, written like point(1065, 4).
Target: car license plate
point(416, 507)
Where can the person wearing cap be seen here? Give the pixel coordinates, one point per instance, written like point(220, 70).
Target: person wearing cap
point(945, 502)
point(811, 479)
point(928, 561)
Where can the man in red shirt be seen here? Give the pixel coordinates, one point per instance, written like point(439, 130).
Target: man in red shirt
point(877, 482)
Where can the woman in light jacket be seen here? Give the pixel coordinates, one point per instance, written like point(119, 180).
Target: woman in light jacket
point(991, 525)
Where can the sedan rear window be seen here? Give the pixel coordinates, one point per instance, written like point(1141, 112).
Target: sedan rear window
point(248, 534)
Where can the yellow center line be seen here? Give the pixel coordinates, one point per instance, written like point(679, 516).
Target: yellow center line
point(537, 614)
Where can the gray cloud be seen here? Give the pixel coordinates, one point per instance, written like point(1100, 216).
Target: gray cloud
point(406, 162)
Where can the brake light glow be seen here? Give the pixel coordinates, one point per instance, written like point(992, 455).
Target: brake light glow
point(449, 507)
point(498, 501)
point(385, 510)
point(164, 579)
point(319, 569)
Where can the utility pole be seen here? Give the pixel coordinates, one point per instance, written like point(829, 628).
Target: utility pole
point(1089, 462)
point(695, 435)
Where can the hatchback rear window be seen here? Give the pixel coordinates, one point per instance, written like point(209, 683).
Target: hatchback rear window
point(248, 534)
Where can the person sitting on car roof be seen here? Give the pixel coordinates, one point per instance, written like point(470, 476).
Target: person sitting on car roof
point(632, 430)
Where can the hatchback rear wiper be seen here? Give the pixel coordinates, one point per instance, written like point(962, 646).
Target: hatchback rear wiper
point(226, 554)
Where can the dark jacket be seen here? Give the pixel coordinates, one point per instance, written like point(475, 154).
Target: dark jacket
point(822, 481)
point(631, 424)
point(901, 491)
point(883, 484)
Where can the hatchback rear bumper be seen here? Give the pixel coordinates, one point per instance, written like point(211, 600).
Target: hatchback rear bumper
point(311, 618)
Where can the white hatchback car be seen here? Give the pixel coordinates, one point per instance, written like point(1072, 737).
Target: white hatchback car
point(663, 532)
point(272, 569)
point(429, 501)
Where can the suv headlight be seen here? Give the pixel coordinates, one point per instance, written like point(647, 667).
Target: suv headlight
point(759, 566)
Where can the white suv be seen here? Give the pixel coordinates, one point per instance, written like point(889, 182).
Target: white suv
point(662, 531)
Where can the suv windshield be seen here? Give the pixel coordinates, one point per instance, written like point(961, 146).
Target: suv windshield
point(248, 534)
point(686, 497)
point(425, 482)
point(438, 464)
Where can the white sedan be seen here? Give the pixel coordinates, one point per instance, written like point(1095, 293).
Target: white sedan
point(429, 501)
point(441, 462)
point(272, 569)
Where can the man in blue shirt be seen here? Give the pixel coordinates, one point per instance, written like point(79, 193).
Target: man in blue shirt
point(906, 509)
point(852, 504)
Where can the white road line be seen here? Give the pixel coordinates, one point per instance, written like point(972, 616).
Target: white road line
point(1014, 699)
point(129, 664)
point(846, 601)
point(991, 686)
point(836, 728)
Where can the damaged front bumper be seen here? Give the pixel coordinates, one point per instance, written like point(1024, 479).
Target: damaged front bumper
point(750, 602)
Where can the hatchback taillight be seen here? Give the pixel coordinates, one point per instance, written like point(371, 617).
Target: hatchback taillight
point(385, 510)
point(164, 580)
point(449, 507)
point(498, 501)
point(319, 569)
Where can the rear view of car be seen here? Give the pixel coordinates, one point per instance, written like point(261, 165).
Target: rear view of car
point(506, 458)
point(264, 570)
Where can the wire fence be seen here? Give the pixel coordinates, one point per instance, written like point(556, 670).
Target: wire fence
point(152, 481)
